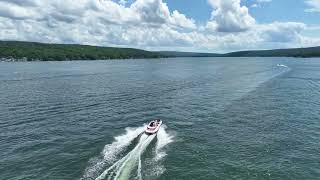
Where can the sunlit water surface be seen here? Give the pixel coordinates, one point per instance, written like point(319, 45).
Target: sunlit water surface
point(224, 118)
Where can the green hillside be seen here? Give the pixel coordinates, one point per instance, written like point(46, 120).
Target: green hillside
point(188, 54)
point(58, 52)
point(31, 51)
point(295, 52)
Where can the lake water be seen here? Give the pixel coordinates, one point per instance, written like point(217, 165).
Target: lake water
point(224, 118)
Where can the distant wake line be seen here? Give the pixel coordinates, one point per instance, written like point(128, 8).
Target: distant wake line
point(282, 65)
point(129, 166)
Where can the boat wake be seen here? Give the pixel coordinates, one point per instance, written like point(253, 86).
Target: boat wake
point(130, 166)
point(282, 65)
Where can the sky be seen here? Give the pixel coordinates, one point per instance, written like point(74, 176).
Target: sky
point(175, 25)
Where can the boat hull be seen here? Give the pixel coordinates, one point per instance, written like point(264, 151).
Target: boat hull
point(155, 130)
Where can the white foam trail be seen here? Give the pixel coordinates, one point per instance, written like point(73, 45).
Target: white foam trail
point(114, 166)
point(163, 140)
point(139, 169)
point(124, 166)
point(122, 169)
point(127, 167)
point(156, 168)
point(282, 65)
point(111, 151)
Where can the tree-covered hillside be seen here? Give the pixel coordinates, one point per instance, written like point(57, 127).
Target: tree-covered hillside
point(295, 52)
point(188, 54)
point(31, 51)
point(58, 52)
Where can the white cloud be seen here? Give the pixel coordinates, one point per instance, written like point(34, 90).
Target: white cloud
point(314, 5)
point(24, 2)
point(147, 24)
point(152, 11)
point(143, 23)
point(255, 5)
point(15, 11)
point(123, 2)
point(258, 3)
point(281, 32)
point(263, 1)
point(181, 20)
point(230, 16)
point(265, 36)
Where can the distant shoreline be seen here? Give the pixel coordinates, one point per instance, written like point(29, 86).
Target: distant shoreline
point(19, 51)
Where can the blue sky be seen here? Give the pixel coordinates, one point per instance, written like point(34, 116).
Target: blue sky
point(276, 10)
point(196, 9)
point(181, 25)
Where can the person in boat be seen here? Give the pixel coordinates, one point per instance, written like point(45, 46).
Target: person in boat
point(154, 123)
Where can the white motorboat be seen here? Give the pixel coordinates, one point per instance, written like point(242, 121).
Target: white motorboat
point(153, 127)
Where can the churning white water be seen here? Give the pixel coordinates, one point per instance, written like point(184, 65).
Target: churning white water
point(129, 165)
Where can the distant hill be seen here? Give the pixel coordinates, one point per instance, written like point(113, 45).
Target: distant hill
point(188, 54)
point(58, 52)
point(295, 52)
point(32, 51)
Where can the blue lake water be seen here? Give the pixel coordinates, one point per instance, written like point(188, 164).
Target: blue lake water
point(224, 118)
